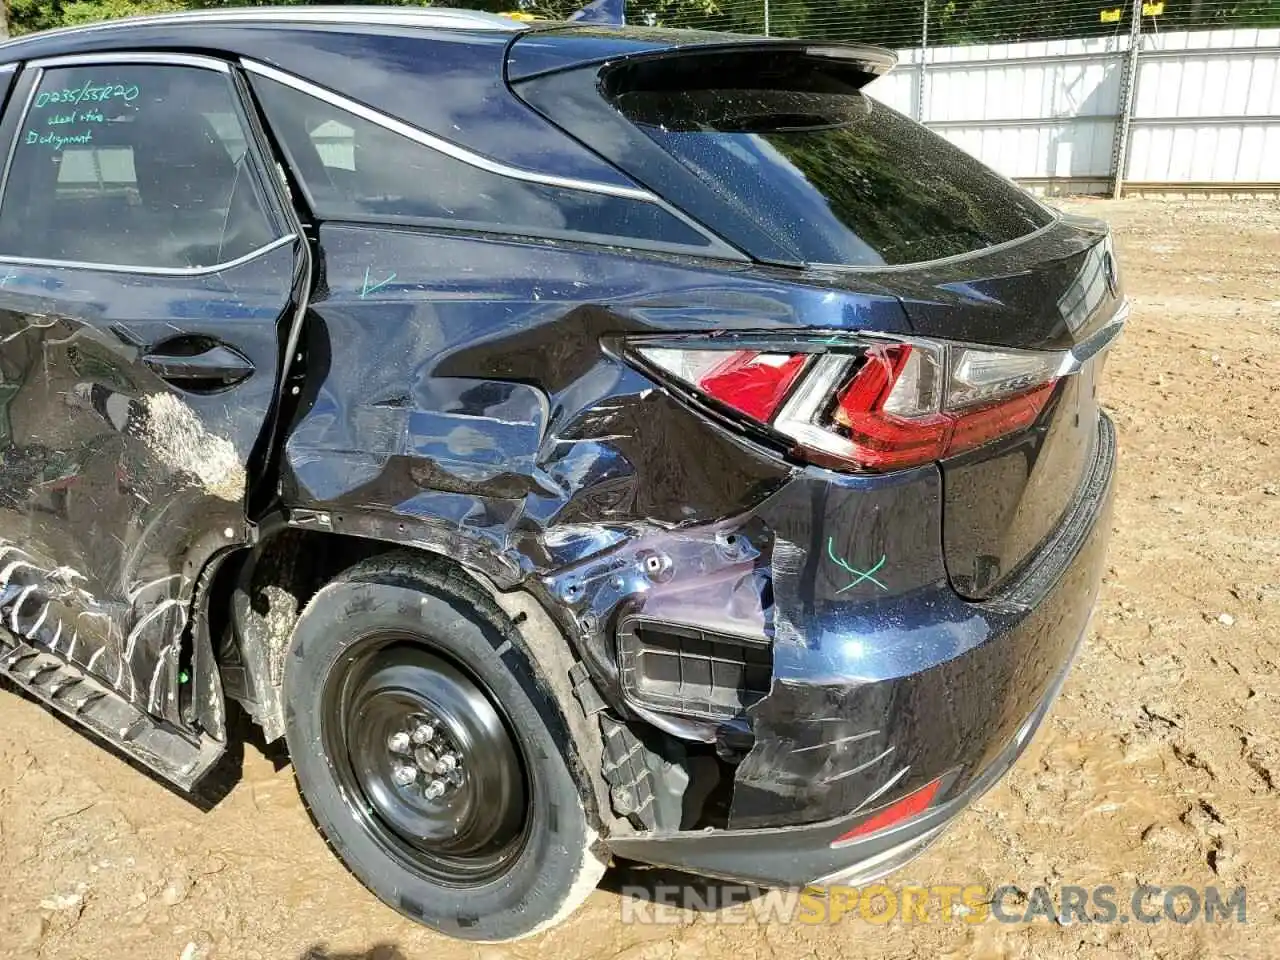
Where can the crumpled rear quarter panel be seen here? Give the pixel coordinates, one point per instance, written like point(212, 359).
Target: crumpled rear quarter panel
point(462, 401)
point(460, 383)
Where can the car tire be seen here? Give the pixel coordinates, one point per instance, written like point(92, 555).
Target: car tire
point(400, 644)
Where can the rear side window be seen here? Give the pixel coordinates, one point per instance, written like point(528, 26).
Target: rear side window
point(132, 165)
point(790, 142)
point(353, 168)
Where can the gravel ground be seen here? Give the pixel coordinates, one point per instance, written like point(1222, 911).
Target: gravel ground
point(1160, 763)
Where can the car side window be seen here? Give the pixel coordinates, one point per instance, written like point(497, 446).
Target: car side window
point(353, 168)
point(138, 165)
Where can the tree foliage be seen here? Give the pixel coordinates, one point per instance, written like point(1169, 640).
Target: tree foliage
point(896, 24)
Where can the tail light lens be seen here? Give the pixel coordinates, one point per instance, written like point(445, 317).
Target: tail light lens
point(881, 406)
point(749, 381)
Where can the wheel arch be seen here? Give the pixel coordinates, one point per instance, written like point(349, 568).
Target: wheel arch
point(291, 563)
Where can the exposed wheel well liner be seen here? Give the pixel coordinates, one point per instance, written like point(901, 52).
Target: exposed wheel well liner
point(267, 589)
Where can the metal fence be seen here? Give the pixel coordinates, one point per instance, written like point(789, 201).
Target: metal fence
point(1191, 111)
point(1099, 104)
point(929, 23)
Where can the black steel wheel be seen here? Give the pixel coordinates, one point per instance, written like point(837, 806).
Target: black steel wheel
point(431, 755)
point(425, 759)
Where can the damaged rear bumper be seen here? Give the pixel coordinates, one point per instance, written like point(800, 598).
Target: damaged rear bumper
point(811, 854)
point(874, 699)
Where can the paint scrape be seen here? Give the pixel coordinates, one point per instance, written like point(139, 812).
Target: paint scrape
point(179, 439)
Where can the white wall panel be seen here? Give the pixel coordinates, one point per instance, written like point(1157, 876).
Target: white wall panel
point(898, 89)
point(1206, 105)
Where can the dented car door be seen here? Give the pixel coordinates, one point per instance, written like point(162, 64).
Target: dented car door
point(147, 275)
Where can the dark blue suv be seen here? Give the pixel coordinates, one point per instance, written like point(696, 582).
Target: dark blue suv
point(576, 441)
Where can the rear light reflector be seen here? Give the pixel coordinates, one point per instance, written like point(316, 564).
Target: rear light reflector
point(750, 382)
point(753, 383)
point(878, 405)
point(988, 423)
point(914, 803)
point(891, 411)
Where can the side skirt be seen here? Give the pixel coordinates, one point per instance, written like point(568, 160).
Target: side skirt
point(181, 758)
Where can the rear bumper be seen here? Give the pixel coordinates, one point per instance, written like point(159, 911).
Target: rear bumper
point(858, 719)
point(803, 855)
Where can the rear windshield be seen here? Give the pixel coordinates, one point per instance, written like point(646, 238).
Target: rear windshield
point(833, 174)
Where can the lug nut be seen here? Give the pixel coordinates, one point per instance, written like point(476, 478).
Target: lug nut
point(423, 733)
point(404, 774)
point(446, 763)
point(425, 758)
point(398, 742)
point(434, 789)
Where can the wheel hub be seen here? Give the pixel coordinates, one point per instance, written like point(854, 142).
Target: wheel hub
point(424, 757)
point(427, 762)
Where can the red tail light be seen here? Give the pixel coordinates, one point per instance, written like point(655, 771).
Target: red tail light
point(879, 406)
point(750, 381)
point(913, 803)
point(753, 383)
point(885, 440)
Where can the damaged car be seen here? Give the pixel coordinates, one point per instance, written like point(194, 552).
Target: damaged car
point(575, 442)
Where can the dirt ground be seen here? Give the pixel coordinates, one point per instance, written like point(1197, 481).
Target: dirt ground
point(1160, 764)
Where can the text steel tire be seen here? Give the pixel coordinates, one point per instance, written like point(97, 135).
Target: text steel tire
point(431, 757)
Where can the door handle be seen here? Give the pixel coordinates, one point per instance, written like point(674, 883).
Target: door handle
point(198, 364)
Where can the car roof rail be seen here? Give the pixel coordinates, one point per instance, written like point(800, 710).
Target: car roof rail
point(381, 16)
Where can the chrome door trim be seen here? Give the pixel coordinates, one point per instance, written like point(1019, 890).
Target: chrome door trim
point(151, 271)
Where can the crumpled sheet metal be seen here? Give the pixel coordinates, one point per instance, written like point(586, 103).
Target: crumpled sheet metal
point(821, 745)
point(486, 420)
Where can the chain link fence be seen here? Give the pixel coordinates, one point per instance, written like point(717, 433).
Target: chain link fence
point(915, 23)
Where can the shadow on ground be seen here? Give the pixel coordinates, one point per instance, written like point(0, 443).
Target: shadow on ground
point(664, 885)
point(222, 778)
point(382, 951)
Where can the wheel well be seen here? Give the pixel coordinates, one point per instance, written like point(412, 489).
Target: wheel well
point(255, 597)
point(328, 554)
point(254, 600)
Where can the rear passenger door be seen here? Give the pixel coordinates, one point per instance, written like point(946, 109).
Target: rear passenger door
point(147, 284)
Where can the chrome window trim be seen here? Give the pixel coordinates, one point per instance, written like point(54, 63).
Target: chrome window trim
point(716, 247)
point(120, 56)
point(440, 145)
point(423, 17)
point(151, 271)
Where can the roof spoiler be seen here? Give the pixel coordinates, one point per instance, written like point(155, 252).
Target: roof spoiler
point(569, 46)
